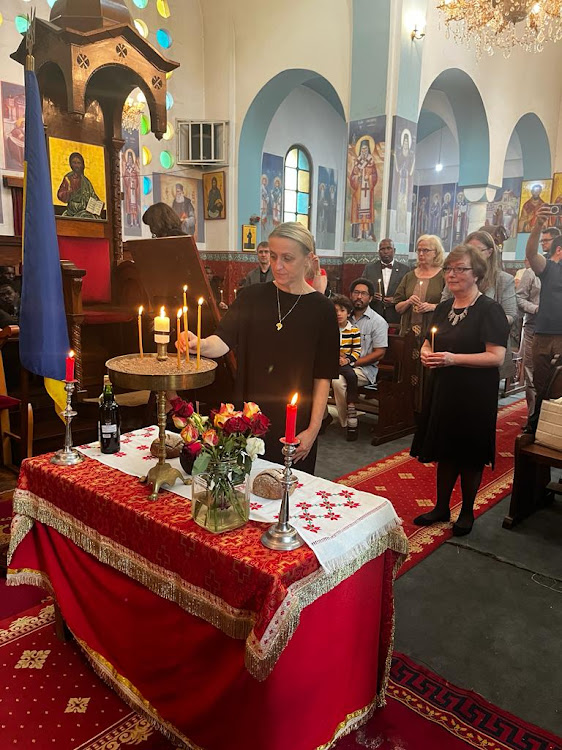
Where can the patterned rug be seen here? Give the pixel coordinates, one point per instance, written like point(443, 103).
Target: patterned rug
point(49, 697)
point(411, 486)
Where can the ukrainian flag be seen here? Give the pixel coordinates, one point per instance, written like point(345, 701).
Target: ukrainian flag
point(43, 330)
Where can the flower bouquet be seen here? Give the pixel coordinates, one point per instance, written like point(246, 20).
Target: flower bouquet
point(218, 451)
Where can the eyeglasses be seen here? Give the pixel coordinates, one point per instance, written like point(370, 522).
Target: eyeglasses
point(424, 250)
point(546, 240)
point(354, 293)
point(456, 269)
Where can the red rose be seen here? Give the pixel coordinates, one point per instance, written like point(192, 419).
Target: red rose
point(193, 449)
point(236, 424)
point(259, 425)
point(181, 408)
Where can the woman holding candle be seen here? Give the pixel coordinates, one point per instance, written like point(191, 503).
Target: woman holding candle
point(418, 295)
point(286, 340)
point(457, 428)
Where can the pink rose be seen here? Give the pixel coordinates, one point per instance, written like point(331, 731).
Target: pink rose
point(210, 437)
point(189, 434)
point(250, 409)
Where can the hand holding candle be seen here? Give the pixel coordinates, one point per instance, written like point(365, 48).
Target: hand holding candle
point(141, 308)
point(291, 420)
point(69, 372)
point(433, 332)
point(199, 304)
point(380, 287)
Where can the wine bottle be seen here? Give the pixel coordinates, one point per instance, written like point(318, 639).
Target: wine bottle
point(109, 426)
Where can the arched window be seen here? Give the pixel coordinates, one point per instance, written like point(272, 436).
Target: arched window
point(296, 200)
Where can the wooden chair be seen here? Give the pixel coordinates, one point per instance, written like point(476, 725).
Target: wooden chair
point(7, 404)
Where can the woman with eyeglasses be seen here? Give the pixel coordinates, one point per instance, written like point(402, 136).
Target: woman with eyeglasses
point(418, 295)
point(457, 429)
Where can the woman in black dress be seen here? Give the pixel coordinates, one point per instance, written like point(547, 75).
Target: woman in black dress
point(286, 339)
point(458, 423)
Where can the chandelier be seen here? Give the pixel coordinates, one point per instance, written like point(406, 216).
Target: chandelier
point(502, 24)
point(131, 116)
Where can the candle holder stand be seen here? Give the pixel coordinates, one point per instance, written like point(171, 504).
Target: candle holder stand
point(281, 536)
point(68, 456)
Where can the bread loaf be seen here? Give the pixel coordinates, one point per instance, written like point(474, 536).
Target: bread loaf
point(267, 484)
point(174, 445)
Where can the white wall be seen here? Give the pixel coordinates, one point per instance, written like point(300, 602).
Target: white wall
point(307, 119)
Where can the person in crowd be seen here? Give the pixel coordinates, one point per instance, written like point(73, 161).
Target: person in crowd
point(547, 341)
point(386, 274)
point(350, 351)
point(262, 273)
point(457, 428)
point(9, 305)
point(374, 341)
point(417, 297)
point(162, 221)
point(528, 295)
point(286, 340)
point(519, 275)
point(547, 236)
point(316, 276)
point(215, 283)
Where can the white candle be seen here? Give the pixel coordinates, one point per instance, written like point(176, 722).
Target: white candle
point(162, 322)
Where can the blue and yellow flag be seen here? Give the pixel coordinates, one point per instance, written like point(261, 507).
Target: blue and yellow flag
point(43, 331)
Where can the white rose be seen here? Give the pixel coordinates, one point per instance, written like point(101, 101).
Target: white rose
point(255, 447)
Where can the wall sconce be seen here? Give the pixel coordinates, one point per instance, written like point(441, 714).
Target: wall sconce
point(417, 32)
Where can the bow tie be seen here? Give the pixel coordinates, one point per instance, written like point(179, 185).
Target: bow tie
point(386, 265)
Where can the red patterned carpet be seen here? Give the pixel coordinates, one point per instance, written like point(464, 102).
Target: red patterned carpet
point(411, 485)
point(50, 698)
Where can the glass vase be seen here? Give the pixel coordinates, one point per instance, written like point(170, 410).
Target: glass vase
point(220, 499)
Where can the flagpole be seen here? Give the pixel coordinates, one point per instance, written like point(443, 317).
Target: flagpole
point(29, 65)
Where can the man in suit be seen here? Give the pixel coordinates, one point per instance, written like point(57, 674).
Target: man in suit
point(263, 272)
point(390, 273)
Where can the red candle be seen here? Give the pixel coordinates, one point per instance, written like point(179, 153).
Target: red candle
point(291, 420)
point(69, 377)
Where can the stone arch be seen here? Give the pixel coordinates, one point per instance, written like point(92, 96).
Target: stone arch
point(256, 123)
point(535, 147)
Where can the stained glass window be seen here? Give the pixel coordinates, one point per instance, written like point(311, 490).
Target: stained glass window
point(169, 100)
point(169, 134)
point(21, 23)
point(164, 38)
point(166, 160)
point(163, 8)
point(139, 3)
point(146, 156)
point(141, 27)
point(144, 125)
point(296, 204)
point(146, 185)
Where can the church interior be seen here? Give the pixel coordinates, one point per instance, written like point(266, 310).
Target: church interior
point(147, 148)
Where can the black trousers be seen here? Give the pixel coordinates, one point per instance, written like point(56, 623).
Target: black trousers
point(350, 377)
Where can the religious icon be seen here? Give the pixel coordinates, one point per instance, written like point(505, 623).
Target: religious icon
point(185, 196)
point(362, 180)
point(214, 195)
point(556, 197)
point(404, 165)
point(249, 237)
point(78, 179)
point(131, 188)
point(460, 218)
point(13, 124)
point(534, 194)
point(326, 211)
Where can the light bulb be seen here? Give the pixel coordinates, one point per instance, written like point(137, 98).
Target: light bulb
point(439, 167)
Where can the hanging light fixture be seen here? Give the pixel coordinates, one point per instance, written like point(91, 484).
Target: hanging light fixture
point(132, 112)
point(502, 24)
point(439, 165)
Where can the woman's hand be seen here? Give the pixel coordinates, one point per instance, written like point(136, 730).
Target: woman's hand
point(192, 341)
point(437, 359)
point(425, 307)
point(343, 360)
point(307, 438)
point(315, 264)
point(414, 300)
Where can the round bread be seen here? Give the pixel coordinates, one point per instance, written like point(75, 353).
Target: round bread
point(174, 445)
point(267, 484)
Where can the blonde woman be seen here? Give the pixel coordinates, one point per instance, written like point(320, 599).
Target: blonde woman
point(286, 339)
point(418, 295)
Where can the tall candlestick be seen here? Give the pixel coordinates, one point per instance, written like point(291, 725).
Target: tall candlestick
point(199, 304)
point(178, 332)
point(222, 300)
point(185, 331)
point(69, 372)
point(291, 420)
point(185, 295)
point(380, 287)
point(433, 332)
point(235, 292)
point(141, 308)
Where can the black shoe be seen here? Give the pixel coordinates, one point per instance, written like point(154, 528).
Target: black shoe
point(427, 519)
point(462, 530)
point(352, 433)
point(325, 423)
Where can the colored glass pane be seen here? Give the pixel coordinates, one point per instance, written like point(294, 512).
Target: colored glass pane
point(290, 200)
point(302, 203)
point(290, 178)
point(141, 3)
point(303, 219)
point(289, 217)
point(51, 3)
point(292, 158)
point(1, 19)
point(169, 101)
point(163, 8)
point(146, 156)
point(166, 160)
point(144, 125)
point(141, 27)
point(164, 38)
point(169, 134)
point(169, 74)
point(146, 185)
point(304, 182)
point(21, 23)
point(303, 160)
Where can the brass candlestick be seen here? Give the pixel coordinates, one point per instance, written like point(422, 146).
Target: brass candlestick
point(68, 456)
point(281, 536)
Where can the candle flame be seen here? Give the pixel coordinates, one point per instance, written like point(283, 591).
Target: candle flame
point(185, 308)
point(179, 313)
point(200, 301)
point(434, 330)
point(71, 354)
point(294, 399)
point(185, 287)
point(162, 312)
point(141, 308)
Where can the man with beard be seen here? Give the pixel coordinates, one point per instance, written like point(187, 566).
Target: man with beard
point(76, 190)
point(184, 209)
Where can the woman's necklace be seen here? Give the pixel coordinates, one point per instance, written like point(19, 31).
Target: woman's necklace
point(455, 318)
point(279, 325)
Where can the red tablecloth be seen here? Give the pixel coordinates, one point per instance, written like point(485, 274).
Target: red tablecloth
point(123, 571)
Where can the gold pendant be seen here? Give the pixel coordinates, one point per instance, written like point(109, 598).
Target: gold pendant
point(279, 326)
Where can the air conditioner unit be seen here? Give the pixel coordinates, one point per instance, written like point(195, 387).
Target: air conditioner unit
point(202, 142)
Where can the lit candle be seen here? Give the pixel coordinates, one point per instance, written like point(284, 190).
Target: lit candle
point(69, 375)
point(185, 295)
point(141, 308)
point(185, 331)
point(199, 304)
point(380, 287)
point(291, 420)
point(162, 322)
point(221, 297)
point(178, 331)
point(235, 291)
point(433, 332)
